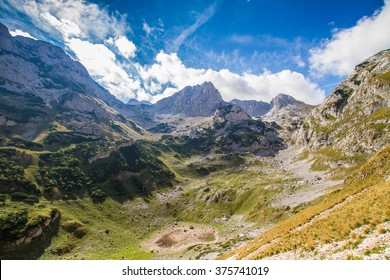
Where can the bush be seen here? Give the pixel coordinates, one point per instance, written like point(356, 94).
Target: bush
point(13, 224)
point(97, 194)
point(26, 198)
point(71, 226)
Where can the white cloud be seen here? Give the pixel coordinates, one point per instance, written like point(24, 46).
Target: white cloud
point(72, 18)
point(125, 47)
point(147, 28)
point(67, 28)
point(170, 69)
point(102, 64)
point(204, 17)
point(18, 32)
point(92, 34)
point(348, 47)
point(98, 38)
point(299, 61)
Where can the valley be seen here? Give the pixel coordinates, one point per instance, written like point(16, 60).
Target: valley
point(86, 176)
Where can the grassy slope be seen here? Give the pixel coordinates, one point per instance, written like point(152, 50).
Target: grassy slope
point(235, 186)
point(368, 208)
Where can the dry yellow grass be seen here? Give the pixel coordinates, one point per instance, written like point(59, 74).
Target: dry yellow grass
point(364, 199)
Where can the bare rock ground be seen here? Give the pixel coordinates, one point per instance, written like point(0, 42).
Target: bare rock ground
point(310, 184)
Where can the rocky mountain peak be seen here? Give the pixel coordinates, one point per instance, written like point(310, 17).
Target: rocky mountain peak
point(252, 107)
point(47, 68)
point(4, 31)
point(283, 100)
point(199, 100)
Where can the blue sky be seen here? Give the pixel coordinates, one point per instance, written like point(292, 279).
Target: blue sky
point(250, 49)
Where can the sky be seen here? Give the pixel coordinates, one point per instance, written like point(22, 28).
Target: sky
point(249, 49)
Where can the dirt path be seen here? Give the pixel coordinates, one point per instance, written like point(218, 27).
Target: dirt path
point(178, 237)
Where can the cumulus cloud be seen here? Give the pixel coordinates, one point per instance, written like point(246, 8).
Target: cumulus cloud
point(66, 16)
point(169, 69)
point(101, 63)
point(348, 47)
point(18, 32)
point(98, 40)
point(125, 47)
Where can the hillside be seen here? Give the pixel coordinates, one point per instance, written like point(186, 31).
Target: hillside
point(349, 223)
point(84, 176)
point(353, 122)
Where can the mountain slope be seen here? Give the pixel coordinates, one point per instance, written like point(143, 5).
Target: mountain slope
point(350, 127)
point(334, 225)
point(41, 86)
point(288, 113)
point(354, 121)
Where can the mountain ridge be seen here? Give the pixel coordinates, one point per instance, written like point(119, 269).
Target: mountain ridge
point(77, 175)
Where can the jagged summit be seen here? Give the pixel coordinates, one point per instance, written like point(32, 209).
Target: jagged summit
point(252, 107)
point(199, 100)
point(283, 100)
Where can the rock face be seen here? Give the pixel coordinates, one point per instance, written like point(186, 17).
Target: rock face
point(40, 83)
point(252, 107)
point(237, 132)
point(283, 100)
point(199, 100)
point(230, 113)
point(355, 118)
point(33, 242)
point(288, 113)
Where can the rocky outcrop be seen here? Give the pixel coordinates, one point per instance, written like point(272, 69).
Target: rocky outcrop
point(252, 107)
point(230, 113)
point(288, 113)
point(355, 118)
point(237, 132)
point(33, 241)
point(192, 101)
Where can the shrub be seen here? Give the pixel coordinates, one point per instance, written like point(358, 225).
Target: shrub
point(26, 198)
point(13, 224)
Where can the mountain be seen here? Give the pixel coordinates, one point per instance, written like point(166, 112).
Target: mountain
point(237, 132)
point(136, 102)
point(346, 137)
point(192, 101)
point(353, 121)
point(283, 100)
point(252, 107)
point(77, 175)
point(43, 89)
point(288, 113)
